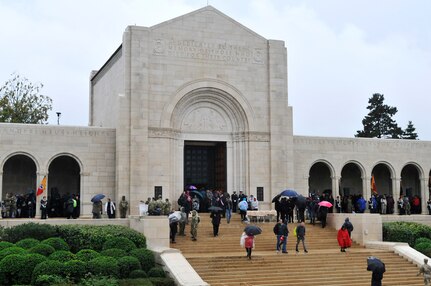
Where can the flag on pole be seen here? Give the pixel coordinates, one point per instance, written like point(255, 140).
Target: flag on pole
point(42, 187)
point(373, 185)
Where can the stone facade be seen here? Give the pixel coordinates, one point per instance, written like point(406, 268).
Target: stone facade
point(203, 77)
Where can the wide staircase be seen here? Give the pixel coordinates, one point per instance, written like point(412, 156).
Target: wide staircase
point(222, 261)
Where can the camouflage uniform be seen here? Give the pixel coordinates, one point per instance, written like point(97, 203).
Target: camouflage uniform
point(194, 225)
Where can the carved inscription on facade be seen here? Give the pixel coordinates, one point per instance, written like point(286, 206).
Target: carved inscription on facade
point(22, 130)
point(224, 52)
point(204, 119)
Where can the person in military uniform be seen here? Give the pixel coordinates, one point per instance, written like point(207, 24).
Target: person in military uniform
point(426, 271)
point(166, 207)
point(194, 225)
point(124, 205)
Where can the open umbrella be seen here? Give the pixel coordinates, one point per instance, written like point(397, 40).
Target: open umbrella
point(243, 205)
point(276, 198)
point(289, 193)
point(301, 201)
point(97, 198)
point(197, 193)
point(215, 209)
point(252, 230)
point(325, 204)
point(191, 187)
point(376, 265)
point(174, 217)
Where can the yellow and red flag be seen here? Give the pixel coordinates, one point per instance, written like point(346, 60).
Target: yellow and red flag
point(373, 185)
point(42, 187)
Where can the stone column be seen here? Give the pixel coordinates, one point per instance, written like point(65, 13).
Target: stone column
point(1, 189)
point(396, 192)
point(424, 196)
point(335, 186)
point(366, 190)
point(39, 178)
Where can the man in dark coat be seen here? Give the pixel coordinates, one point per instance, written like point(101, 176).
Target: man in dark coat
point(234, 198)
point(349, 226)
point(281, 230)
point(215, 219)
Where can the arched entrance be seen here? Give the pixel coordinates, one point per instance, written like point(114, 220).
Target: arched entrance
point(64, 180)
point(411, 187)
point(383, 179)
point(351, 180)
point(18, 186)
point(320, 179)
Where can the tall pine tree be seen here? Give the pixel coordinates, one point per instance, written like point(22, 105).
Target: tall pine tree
point(409, 132)
point(379, 123)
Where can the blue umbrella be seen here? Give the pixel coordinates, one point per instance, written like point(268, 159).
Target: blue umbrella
point(289, 193)
point(97, 198)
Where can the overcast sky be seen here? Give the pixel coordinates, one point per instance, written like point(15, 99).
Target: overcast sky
point(339, 52)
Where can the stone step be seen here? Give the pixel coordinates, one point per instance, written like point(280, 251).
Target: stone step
point(221, 260)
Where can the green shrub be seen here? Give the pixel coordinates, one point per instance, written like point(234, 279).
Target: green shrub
point(29, 230)
point(57, 242)
point(103, 266)
point(62, 256)
point(43, 249)
point(86, 255)
point(422, 239)
point(119, 242)
point(93, 237)
point(138, 274)
point(11, 269)
point(405, 232)
point(127, 264)
point(159, 281)
point(156, 272)
point(47, 280)
point(12, 250)
point(27, 243)
point(136, 282)
point(75, 270)
point(114, 252)
point(422, 246)
point(48, 267)
point(145, 257)
point(99, 281)
point(5, 244)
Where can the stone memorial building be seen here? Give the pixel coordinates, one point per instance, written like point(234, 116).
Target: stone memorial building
point(203, 100)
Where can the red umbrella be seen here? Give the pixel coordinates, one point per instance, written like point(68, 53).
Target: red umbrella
point(325, 204)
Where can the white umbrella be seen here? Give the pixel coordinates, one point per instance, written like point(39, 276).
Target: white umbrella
point(175, 216)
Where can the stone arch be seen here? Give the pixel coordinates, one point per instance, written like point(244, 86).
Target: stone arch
point(215, 96)
point(320, 177)
point(64, 180)
point(411, 175)
point(383, 173)
point(351, 178)
point(19, 174)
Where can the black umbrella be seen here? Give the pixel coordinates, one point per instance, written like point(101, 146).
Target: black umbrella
point(300, 201)
point(276, 198)
point(198, 194)
point(376, 265)
point(215, 209)
point(97, 198)
point(289, 193)
point(252, 230)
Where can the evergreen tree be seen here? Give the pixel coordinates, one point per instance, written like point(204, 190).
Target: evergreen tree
point(379, 123)
point(409, 132)
point(20, 102)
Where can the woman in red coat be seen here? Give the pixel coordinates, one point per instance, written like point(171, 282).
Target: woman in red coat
point(343, 238)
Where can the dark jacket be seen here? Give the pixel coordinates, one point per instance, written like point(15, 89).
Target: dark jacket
point(281, 229)
point(300, 230)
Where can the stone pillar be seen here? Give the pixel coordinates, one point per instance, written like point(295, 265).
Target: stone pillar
point(366, 190)
point(1, 189)
point(424, 196)
point(39, 178)
point(396, 192)
point(335, 186)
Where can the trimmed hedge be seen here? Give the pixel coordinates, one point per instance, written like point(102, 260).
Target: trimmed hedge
point(57, 242)
point(12, 250)
point(62, 256)
point(104, 266)
point(119, 242)
point(11, 268)
point(43, 249)
point(138, 274)
point(48, 267)
point(145, 257)
point(127, 264)
point(405, 232)
point(29, 230)
point(114, 252)
point(159, 281)
point(48, 280)
point(86, 255)
point(5, 244)
point(75, 269)
point(27, 243)
point(156, 272)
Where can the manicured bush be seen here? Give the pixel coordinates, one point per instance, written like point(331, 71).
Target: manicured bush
point(48, 267)
point(136, 282)
point(43, 249)
point(145, 257)
point(422, 239)
point(47, 280)
point(5, 244)
point(159, 281)
point(99, 281)
point(156, 272)
point(422, 246)
point(405, 232)
point(127, 264)
point(86, 255)
point(11, 268)
point(75, 270)
point(27, 243)
point(93, 237)
point(138, 274)
point(57, 242)
point(119, 242)
point(62, 256)
point(12, 250)
point(114, 252)
point(29, 230)
point(103, 266)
